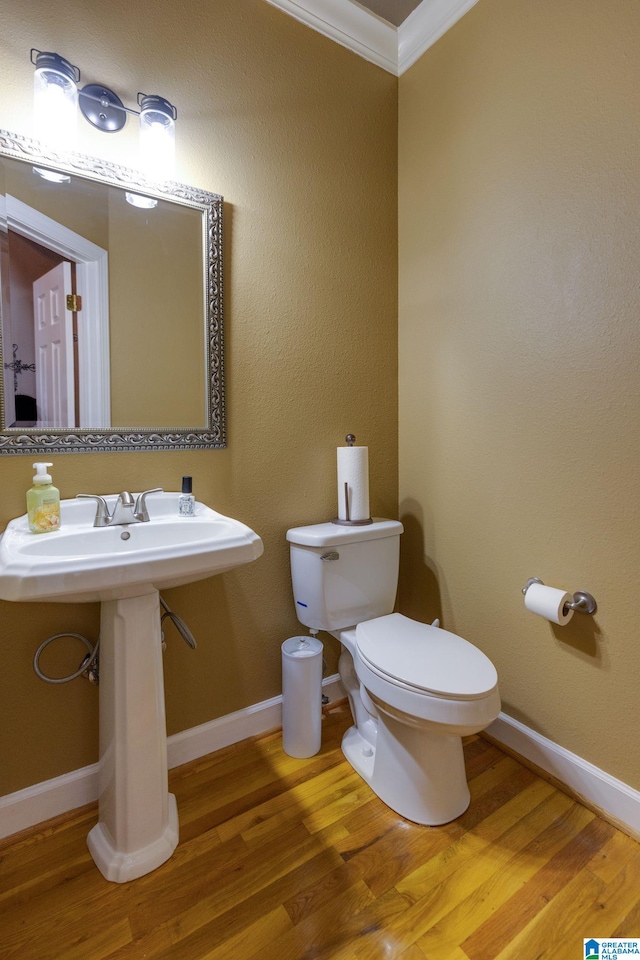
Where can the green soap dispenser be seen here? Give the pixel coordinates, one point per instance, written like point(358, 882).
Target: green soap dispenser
point(43, 502)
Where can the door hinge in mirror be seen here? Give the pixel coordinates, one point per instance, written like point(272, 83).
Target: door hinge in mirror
point(74, 302)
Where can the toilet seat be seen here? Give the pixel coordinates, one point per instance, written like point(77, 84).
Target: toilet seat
point(423, 659)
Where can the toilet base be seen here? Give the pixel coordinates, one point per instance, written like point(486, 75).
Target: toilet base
point(359, 752)
point(418, 773)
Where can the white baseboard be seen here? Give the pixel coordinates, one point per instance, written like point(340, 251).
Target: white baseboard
point(617, 801)
point(48, 799)
point(42, 801)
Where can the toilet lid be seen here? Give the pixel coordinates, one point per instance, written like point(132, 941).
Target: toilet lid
point(425, 657)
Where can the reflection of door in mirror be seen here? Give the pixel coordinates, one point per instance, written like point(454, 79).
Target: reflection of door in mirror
point(73, 381)
point(29, 261)
point(5, 333)
point(53, 341)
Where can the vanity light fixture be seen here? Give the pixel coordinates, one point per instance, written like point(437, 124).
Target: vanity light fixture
point(57, 97)
point(157, 136)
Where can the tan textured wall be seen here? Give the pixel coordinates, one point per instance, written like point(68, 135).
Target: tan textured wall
point(519, 354)
point(299, 136)
point(171, 330)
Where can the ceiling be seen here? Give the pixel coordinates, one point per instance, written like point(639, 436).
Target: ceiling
point(393, 11)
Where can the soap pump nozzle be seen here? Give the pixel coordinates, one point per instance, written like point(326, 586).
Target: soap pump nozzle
point(41, 475)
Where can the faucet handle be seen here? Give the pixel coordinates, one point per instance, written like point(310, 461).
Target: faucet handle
point(102, 516)
point(140, 511)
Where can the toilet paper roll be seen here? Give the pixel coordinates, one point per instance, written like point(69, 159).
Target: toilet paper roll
point(353, 469)
point(548, 602)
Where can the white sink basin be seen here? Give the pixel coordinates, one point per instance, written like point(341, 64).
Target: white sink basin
point(82, 563)
point(124, 567)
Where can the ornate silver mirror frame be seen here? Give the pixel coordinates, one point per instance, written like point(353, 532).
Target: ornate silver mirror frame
point(16, 440)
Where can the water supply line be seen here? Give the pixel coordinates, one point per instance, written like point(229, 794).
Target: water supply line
point(90, 666)
point(325, 666)
point(179, 624)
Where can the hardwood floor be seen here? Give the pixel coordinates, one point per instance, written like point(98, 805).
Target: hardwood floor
point(283, 859)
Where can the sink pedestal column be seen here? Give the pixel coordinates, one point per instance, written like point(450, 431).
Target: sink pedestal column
point(138, 822)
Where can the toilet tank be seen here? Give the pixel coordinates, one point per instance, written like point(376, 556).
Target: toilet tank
point(342, 575)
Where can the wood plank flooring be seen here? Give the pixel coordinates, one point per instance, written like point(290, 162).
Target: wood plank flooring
point(283, 859)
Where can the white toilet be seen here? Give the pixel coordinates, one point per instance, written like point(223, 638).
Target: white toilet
point(414, 690)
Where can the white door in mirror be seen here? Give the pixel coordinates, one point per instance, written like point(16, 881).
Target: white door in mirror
point(53, 331)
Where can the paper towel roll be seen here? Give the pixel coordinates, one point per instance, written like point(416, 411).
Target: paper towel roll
point(353, 469)
point(548, 602)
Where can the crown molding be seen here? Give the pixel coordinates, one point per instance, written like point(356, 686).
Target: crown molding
point(372, 38)
point(425, 25)
point(350, 25)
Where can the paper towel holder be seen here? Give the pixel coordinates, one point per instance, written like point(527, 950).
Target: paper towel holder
point(348, 522)
point(582, 602)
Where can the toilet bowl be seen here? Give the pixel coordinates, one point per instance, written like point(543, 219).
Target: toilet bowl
point(425, 689)
point(414, 689)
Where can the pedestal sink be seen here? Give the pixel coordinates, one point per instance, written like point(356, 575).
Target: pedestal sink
point(124, 567)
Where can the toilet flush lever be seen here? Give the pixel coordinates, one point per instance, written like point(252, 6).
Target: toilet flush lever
point(330, 556)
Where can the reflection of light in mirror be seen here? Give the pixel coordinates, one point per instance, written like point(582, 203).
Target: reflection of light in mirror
point(51, 175)
point(137, 200)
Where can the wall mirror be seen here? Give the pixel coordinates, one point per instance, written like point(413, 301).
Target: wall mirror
point(111, 307)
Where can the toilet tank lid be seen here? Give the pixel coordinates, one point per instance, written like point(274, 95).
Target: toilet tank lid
point(334, 534)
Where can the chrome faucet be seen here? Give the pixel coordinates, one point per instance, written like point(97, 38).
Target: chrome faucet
point(126, 509)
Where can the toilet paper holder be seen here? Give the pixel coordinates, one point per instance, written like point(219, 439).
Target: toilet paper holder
point(582, 602)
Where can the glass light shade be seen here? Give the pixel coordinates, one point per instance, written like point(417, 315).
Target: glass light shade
point(55, 101)
point(157, 137)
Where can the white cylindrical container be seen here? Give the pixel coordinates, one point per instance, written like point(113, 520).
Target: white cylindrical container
point(301, 696)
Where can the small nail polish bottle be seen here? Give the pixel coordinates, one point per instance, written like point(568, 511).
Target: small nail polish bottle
point(186, 500)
